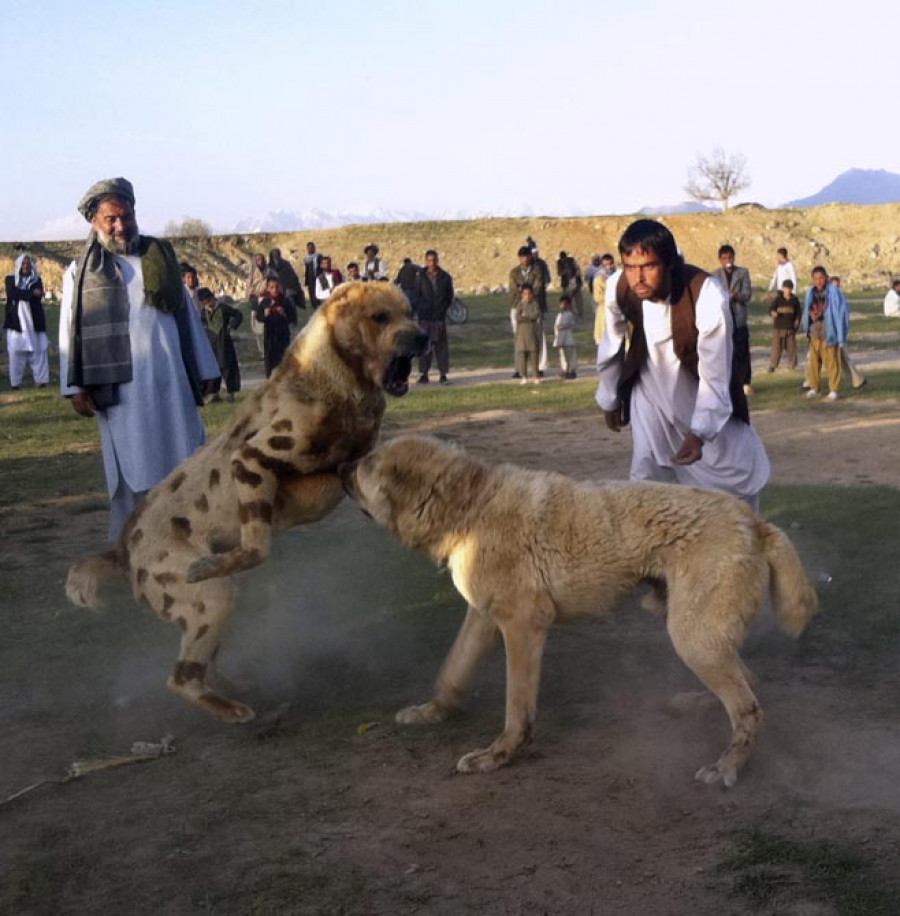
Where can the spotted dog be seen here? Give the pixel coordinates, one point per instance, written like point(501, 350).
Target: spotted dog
point(272, 468)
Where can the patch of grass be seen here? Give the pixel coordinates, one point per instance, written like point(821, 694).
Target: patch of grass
point(767, 866)
point(39, 423)
point(781, 391)
point(556, 396)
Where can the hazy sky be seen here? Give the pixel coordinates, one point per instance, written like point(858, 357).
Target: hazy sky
point(224, 110)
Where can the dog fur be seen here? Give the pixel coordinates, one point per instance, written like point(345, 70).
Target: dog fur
point(527, 549)
point(273, 467)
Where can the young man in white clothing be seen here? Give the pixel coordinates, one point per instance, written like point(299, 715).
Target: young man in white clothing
point(673, 382)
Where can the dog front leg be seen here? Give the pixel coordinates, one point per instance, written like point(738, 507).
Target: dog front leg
point(255, 486)
point(525, 639)
point(476, 635)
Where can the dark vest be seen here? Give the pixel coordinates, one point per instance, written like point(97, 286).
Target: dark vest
point(686, 284)
point(32, 297)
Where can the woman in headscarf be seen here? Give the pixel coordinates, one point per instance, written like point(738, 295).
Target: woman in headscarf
point(26, 326)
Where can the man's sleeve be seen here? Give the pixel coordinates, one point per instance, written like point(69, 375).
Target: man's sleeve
point(207, 367)
point(746, 291)
point(804, 314)
point(610, 351)
point(65, 321)
point(713, 407)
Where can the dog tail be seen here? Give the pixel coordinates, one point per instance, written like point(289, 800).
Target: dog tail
point(87, 575)
point(793, 596)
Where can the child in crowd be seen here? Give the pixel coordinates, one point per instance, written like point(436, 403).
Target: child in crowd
point(564, 337)
point(220, 319)
point(277, 313)
point(527, 317)
point(785, 310)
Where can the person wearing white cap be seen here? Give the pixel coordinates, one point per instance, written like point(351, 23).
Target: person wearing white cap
point(25, 324)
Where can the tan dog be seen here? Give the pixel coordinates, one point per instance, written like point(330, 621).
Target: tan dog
point(527, 549)
point(272, 468)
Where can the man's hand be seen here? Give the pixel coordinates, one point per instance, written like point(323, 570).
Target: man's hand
point(83, 404)
point(691, 450)
point(613, 420)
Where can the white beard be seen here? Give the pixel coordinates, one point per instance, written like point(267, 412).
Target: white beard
point(116, 246)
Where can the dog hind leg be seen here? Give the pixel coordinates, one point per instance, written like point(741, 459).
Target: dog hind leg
point(202, 619)
point(476, 636)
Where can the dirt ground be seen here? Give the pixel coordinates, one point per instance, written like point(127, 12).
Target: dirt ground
point(324, 806)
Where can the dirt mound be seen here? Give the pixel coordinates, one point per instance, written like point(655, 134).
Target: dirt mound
point(860, 243)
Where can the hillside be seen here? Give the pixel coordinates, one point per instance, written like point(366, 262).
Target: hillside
point(861, 243)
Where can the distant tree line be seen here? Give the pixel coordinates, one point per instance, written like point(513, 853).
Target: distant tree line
point(189, 227)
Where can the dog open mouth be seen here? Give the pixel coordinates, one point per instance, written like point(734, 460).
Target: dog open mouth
point(396, 377)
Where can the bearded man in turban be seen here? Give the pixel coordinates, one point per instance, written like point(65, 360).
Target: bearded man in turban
point(132, 348)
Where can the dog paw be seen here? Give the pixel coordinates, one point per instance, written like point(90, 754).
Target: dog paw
point(426, 714)
point(225, 710)
point(484, 761)
point(718, 772)
point(202, 569)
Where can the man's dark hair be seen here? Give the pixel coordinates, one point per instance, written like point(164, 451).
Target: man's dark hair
point(782, 251)
point(725, 249)
point(819, 269)
point(524, 250)
point(204, 294)
point(607, 257)
point(353, 264)
point(186, 268)
point(649, 235)
point(563, 299)
point(525, 286)
point(430, 252)
point(895, 284)
point(788, 283)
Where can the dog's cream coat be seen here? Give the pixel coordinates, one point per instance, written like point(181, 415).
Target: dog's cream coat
point(526, 549)
point(273, 467)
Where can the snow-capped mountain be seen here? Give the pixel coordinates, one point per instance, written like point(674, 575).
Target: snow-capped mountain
point(314, 218)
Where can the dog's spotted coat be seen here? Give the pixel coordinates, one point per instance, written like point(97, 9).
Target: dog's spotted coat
point(274, 467)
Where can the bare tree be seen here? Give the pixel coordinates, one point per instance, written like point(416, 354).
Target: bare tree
point(718, 177)
point(189, 227)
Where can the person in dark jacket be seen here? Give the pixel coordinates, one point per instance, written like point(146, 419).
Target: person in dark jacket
point(277, 314)
point(407, 279)
point(25, 324)
point(290, 282)
point(434, 295)
point(220, 319)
